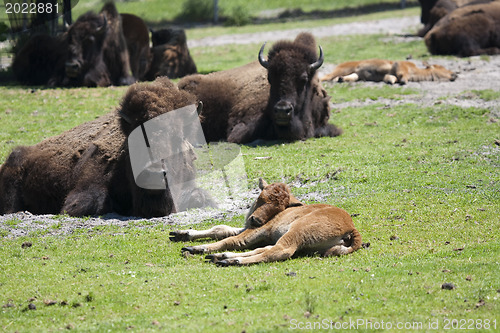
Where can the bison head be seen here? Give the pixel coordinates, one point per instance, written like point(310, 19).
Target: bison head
point(85, 40)
point(291, 69)
point(273, 199)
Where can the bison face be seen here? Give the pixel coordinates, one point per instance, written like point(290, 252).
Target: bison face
point(85, 39)
point(273, 199)
point(290, 73)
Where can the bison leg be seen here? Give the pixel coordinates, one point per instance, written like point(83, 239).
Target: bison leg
point(217, 232)
point(391, 79)
point(216, 257)
point(244, 240)
point(277, 252)
point(11, 182)
point(93, 200)
point(349, 78)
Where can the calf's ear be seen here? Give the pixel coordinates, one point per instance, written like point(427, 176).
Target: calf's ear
point(262, 183)
point(294, 202)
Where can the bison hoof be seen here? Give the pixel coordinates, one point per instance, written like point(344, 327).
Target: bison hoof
point(227, 262)
point(179, 236)
point(215, 258)
point(193, 250)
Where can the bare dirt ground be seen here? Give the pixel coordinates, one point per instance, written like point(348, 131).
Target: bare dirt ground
point(473, 74)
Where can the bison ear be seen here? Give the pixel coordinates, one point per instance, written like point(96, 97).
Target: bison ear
point(262, 183)
point(294, 202)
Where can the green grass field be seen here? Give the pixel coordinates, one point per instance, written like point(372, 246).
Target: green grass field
point(422, 183)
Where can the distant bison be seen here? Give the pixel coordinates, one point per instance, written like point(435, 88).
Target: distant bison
point(434, 10)
point(281, 98)
point(467, 31)
point(170, 54)
point(388, 71)
point(136, 35)
point(97, 52)
point(87, 170)
point(39, 58)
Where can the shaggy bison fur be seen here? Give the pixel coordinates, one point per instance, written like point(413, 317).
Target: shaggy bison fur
point(97, 52)
point(281, 98)
point(86, 170)
point(467, 31)
point(170, 54)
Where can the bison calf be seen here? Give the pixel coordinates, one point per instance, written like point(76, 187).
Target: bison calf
point(283, 225)
point(388, 71)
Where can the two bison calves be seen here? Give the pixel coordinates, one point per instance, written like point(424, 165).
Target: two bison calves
point(278, 226)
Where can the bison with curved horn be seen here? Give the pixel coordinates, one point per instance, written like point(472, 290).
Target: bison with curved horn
point(275, 98)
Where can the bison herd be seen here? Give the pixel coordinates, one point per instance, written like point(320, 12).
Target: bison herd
point(103, 49)
point(87, 170)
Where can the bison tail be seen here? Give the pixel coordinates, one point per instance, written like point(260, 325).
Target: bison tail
point(356, 241)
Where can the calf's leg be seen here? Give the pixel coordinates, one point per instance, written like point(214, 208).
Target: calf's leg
point(244, 240)
point(217, 232)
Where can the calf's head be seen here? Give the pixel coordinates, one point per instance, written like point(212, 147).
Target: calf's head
point(273, 199)
point(291, 68)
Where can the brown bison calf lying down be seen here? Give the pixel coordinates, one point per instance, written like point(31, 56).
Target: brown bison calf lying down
point(388, 71)
point(281, 223)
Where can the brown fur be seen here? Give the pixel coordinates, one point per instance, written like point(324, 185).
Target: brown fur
point(97, 54)
point(243, 104)
point(433, 11)
point(136, 35)
point(467, 31)
point(37, 60)
point(86, 170)
point(388, 71)
point(171, 55)
point(284, 225)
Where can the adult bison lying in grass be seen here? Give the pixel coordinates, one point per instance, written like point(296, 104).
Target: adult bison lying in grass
point(283, 223)
point(98, 50)
point(97, 53)
point(281, 98)
point(171, 55)
point(87, 170)
point(434, 10)
point(467, 31)
point(388, 71)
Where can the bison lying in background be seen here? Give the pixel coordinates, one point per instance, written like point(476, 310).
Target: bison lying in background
point(388, 71)
point(39, 58)
point(136, 35)
point(467, 31)
point(97, 52)
point(434, 10)
point(171, 55)
point(280, 99)
point(282, 222)
point(87, 170)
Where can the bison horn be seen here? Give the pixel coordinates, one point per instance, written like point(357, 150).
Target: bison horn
point(263, 61)
point(320, 60)
point(102, 28)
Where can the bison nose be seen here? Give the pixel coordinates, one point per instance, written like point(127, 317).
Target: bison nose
point(72, 68)
point(283, 113)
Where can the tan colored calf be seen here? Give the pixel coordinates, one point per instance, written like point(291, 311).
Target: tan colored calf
point(283, 225)
point(388, 71)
